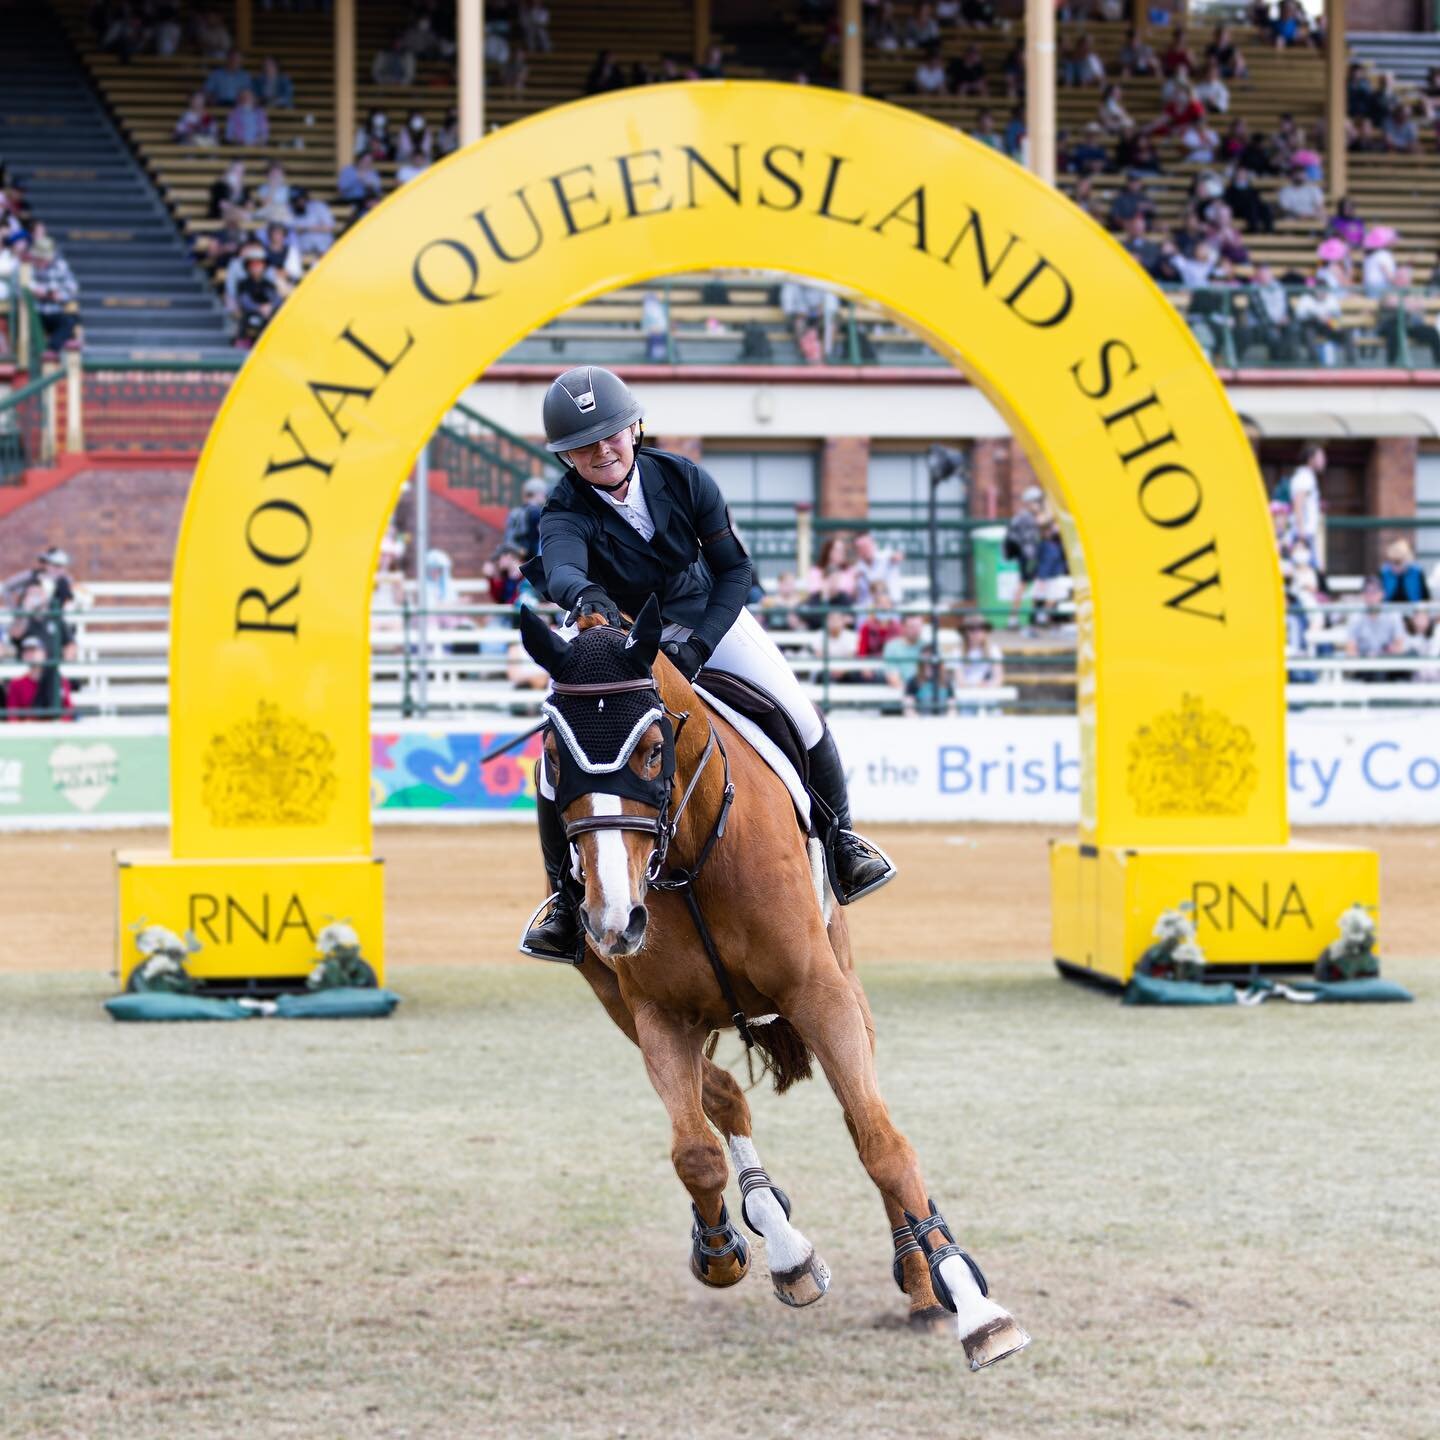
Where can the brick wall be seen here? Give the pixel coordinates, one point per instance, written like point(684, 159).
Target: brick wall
point(844, 477)
point(118, 523)
point(1389, 490)
point(1384, 15)
point(121, 522)
point(690, 446)
point(468, 539)
point(1001, 472)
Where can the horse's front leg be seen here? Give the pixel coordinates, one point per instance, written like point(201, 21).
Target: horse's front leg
point(674, 1061)
point(799, 1275)
point(833, 1023)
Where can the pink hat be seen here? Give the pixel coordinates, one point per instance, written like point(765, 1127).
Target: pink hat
point(1378, 237)
point(1332, 249)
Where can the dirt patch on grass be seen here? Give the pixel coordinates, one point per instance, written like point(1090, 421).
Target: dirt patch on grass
point(460, 896)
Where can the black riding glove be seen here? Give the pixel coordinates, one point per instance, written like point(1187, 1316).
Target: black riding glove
point(687, 656)
point(595, 601)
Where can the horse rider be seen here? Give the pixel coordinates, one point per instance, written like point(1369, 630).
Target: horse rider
point(624, 523)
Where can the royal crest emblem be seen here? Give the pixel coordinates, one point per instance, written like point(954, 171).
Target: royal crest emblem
point(269, 770)
point(1191, 761)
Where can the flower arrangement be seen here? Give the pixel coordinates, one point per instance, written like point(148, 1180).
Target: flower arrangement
point(163, 967)
point(1176, 954)
point(1352, 956)
point(341, 964)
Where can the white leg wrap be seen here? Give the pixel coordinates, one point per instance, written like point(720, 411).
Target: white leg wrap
point(972, 1308)
point(785, 1247)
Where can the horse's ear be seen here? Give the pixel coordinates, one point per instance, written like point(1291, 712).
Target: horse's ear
point(645, 633)
point(541, 643)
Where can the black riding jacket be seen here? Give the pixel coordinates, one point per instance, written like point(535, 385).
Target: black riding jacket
point(695, 566)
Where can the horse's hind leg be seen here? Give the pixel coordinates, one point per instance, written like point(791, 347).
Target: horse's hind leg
point(672, 1049)
point(908, 1265)
point(799, 1275)
point(833, 1023)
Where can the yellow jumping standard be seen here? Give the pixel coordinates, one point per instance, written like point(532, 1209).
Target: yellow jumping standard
point(1163, 512)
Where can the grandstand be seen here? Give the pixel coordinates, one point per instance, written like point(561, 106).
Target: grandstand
point(89, 129)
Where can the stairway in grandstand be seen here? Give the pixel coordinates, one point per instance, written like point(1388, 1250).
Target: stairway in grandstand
point(139, 293)
point(1409, 58)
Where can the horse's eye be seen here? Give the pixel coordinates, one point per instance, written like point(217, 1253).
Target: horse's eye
point(656, 751)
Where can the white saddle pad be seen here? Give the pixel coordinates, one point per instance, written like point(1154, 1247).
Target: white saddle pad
point(768, 751)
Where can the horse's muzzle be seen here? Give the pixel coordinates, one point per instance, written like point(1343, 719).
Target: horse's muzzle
point(622, 942)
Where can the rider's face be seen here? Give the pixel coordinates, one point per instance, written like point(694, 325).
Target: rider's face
point(607, 461)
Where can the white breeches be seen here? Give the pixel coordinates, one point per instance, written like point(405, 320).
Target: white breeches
point(748, 651)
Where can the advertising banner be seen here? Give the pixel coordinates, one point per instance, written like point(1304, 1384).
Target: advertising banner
point(1361, 767)
point(70, 774)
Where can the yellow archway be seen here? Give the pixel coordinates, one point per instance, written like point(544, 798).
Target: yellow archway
point(1182, 680)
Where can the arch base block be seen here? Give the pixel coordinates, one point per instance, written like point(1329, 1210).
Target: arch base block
point(255, 919)
point(1275, 906)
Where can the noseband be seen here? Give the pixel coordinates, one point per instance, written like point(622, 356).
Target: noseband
point(663, 824)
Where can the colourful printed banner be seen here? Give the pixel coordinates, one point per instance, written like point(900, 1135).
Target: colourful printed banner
point(440, 770)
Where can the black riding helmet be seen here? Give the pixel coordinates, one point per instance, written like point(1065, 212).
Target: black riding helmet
point(587, 404)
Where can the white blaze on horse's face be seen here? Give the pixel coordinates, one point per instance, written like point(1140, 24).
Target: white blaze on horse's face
point(614, 861)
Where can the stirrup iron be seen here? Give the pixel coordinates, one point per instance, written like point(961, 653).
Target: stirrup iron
point(874, 885)
point(538, 914)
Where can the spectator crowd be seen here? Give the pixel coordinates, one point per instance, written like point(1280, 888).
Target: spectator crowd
point(32, 266)
point(1390, 615)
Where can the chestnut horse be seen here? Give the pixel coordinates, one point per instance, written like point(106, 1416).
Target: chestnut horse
point(785, 950)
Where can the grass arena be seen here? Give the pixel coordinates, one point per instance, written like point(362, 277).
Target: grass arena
point(1220, 1228)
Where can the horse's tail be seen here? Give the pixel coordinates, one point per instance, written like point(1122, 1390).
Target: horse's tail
point(786, 1056)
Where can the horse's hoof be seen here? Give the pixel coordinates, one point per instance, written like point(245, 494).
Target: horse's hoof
point(993, 1341)
point(803, 1285)
point(932, 1320)
point(720, 1274)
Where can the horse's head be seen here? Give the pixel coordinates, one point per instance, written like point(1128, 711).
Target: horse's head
point(610, 754)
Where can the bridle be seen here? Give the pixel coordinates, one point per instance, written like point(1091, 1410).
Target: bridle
point(664, 824)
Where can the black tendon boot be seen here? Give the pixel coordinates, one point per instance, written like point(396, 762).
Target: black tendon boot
point(856, 866)
point(554, 933)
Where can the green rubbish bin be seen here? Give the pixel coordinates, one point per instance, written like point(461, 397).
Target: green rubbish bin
point(996, 578)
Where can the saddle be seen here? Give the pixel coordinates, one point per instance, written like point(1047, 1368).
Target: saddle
point(753, 703)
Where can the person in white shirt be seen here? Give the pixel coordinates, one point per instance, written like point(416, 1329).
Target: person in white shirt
point(1300, 198)
point(874, 568)
point(1378, 273)
point(1305, 502)
point(1212, 90)
point(930, 76)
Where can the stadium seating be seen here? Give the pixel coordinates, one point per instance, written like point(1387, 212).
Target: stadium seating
point(147, 94)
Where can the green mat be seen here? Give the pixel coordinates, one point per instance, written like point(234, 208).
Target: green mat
point(1148, 990)
point(338, 1004)
point(1371, 991)
point(167, 1005)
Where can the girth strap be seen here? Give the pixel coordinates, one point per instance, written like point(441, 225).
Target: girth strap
point(722, 976)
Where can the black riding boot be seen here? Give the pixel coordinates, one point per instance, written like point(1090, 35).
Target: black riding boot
point(856, 866)
point(556, 936)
